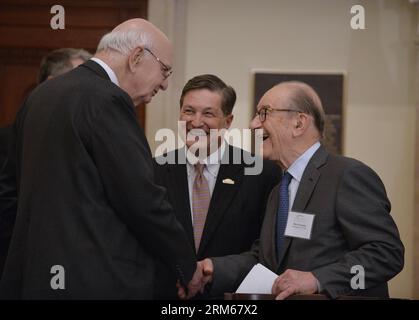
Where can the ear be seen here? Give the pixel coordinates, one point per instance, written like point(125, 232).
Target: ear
point(229, 120)
point(301, 123)
point(135, 57)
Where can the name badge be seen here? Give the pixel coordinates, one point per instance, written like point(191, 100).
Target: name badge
point(299, 225)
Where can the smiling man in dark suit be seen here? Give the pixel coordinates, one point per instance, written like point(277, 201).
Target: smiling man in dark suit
point(352, 227)
point(91, 221)
point(234, 202)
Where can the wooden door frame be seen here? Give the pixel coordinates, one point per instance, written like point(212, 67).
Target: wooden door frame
point(416, 206)
point(26, 36)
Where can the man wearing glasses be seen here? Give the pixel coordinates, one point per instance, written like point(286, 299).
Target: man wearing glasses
point(91, 220)
point(328, 217)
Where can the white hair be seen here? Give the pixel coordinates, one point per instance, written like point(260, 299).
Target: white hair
point(124, 41)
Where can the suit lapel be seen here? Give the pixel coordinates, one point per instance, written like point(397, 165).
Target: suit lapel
point(272, 211)
point(309, 180)
point(306, 187)
point(221, 198)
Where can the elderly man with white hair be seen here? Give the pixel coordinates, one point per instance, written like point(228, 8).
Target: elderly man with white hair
point(91, 221)
point(327, 221)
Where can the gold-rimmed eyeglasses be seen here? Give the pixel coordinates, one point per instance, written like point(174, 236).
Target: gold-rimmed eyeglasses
point(265, 110)
point(167, 71)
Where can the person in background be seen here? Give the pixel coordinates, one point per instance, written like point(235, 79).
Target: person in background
point(61, 61)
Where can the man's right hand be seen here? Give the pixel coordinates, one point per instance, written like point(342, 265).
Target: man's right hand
point(201, 277)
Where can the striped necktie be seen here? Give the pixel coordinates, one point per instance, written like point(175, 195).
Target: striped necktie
point(200, 203)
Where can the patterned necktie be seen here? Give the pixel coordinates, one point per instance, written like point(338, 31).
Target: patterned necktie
point(200, 203)
point(282, 216)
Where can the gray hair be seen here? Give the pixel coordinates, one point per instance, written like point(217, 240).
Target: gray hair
point(124, 41)
point(305, 99)
point(59, 61)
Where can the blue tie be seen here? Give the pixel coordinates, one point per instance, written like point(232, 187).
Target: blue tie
point(281, 219)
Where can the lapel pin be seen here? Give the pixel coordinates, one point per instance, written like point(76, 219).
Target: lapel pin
point(228, 181)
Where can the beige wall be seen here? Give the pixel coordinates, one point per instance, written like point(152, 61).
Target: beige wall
point(230, 38)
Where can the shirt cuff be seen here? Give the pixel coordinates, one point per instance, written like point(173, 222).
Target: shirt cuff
point(319, 287)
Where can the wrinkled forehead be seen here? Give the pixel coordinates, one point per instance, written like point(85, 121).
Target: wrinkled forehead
point(162, 47)
point(165, 55)
point(274, 98)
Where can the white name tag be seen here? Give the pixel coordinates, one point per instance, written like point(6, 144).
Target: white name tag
point(299, 225)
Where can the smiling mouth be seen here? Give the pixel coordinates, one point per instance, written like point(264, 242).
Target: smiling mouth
point(197, 133)
point(265, 136)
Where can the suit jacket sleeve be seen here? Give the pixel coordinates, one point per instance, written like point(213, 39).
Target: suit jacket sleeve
point(122, 156)
point(229, 271)
point(363, 213)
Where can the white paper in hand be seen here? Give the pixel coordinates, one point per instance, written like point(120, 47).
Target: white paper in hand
point(259, 280)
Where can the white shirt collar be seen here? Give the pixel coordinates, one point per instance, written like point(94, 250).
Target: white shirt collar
point(212, 162)
point(108, 70)
point(298, 166)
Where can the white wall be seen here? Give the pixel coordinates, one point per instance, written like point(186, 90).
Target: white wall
point(231, 37)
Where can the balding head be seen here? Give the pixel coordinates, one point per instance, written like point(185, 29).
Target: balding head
point(291, 118)
point(141, 57)
point(131, 34)
point(296, 95)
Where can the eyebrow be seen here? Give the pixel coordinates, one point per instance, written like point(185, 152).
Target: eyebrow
point(205, 109)
point(265, 106)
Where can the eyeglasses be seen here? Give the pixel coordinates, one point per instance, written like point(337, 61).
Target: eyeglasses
point(265, 110)
point(167, 71)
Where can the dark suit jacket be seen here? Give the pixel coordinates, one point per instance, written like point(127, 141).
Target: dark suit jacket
point(8, 208)
point(352, 226)
point(5, 136)
point(87, 199)
point(236, 210)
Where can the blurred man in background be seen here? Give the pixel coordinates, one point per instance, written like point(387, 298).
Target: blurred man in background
point(61, 61)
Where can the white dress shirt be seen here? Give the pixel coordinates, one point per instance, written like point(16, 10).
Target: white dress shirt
point(108, 70)
point(212, 166)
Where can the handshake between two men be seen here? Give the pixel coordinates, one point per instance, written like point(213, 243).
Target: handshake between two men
point(288, 283)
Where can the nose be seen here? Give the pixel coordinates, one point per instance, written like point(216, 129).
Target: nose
point(164, 84)
point(255, 123)
point(197, 120)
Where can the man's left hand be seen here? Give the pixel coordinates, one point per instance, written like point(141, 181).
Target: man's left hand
point(294, 282)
